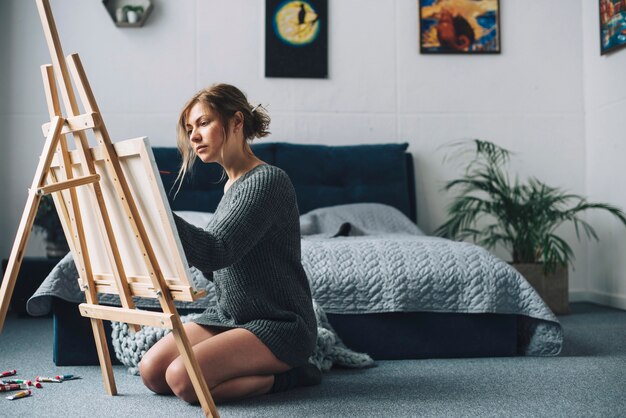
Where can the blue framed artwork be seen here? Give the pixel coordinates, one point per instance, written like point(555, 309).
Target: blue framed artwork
point(296, 38)
point(459, 26)
point(612, 25)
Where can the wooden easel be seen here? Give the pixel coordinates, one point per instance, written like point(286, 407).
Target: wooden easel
point(63, 185)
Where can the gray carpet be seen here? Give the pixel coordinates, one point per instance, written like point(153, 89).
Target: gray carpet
point(587, 380)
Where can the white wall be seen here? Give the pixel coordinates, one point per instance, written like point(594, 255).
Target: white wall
point(605, 109)
point(529, 98)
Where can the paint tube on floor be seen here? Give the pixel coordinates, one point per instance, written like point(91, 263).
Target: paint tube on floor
point(13, 386)
point(8, 373)
point(20, 394)
point(16, 381)
point(67, 377)
point(48, 379)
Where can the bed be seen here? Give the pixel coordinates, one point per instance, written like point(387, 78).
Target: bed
point(386, 288)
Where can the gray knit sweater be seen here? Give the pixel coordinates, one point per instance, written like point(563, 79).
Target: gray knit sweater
point(251, 247)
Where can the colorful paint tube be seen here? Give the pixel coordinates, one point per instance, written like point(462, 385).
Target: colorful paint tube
point(13, 386)
point(47, 379)
point(16, 381)
point(8, 373)
point(67, 377)
point(38, 385)
point(20, 394)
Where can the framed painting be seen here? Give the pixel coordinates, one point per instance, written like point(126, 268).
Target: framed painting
point(296, 38)
point(612, 25)
point(459, 26)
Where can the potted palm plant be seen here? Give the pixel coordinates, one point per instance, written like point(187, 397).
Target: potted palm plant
point(522, 217)
point(47, 222)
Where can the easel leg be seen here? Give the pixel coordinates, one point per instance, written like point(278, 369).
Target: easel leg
point(17, 253)
point(28, 217)
point(104, 356)
point(193, 369)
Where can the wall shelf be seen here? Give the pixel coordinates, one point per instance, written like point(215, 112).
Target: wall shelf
point(112, 7)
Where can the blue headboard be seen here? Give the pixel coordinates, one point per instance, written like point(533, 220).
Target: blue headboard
point(322, 176)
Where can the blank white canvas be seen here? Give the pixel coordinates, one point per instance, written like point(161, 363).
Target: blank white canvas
point(143, 179)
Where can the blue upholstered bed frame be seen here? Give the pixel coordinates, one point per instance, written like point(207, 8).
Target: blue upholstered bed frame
point(326, 176)
point(322, 176)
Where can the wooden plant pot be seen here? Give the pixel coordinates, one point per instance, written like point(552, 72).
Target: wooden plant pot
point(553, 287)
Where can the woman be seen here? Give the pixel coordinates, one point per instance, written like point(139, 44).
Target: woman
point(260, 335)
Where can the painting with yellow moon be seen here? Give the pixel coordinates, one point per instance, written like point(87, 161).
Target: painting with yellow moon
point(296, 38)
point(459, 26)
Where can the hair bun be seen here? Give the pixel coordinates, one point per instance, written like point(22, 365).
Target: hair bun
point(260, 122)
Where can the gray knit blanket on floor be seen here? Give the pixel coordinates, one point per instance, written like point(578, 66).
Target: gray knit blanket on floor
point(330, 350)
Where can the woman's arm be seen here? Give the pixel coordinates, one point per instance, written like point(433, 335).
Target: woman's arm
point(190, 230)
point(235, 230)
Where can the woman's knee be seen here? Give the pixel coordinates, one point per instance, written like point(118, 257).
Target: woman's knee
point(178, 380)
point(152, 372)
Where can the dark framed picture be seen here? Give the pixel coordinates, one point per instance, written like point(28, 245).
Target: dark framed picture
point(612, 25)
point(296, 38)
point(459, 26)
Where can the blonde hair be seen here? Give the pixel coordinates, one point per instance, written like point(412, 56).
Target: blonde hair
point(224, 100)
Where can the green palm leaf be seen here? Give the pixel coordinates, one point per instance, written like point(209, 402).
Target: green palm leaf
point(521, 217)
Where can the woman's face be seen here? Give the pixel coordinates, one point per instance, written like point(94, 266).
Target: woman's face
point(205, 132)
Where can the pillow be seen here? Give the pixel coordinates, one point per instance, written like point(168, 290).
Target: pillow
point(363, 219)
point(199, 219)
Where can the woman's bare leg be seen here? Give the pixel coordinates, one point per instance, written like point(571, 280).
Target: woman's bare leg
point(235, 364)
point(242, 387)
point(157, 359)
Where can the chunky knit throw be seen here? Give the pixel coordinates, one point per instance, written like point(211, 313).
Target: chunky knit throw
point(329, 349)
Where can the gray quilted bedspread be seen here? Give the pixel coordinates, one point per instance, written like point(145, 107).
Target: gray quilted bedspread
point(404, 273)
point(369, 258)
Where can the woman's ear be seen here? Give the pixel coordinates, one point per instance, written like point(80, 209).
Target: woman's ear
point(237, 120)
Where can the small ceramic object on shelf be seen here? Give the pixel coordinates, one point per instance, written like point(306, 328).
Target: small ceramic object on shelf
point(132, 16)
point(120, 15)
point(128, 13)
